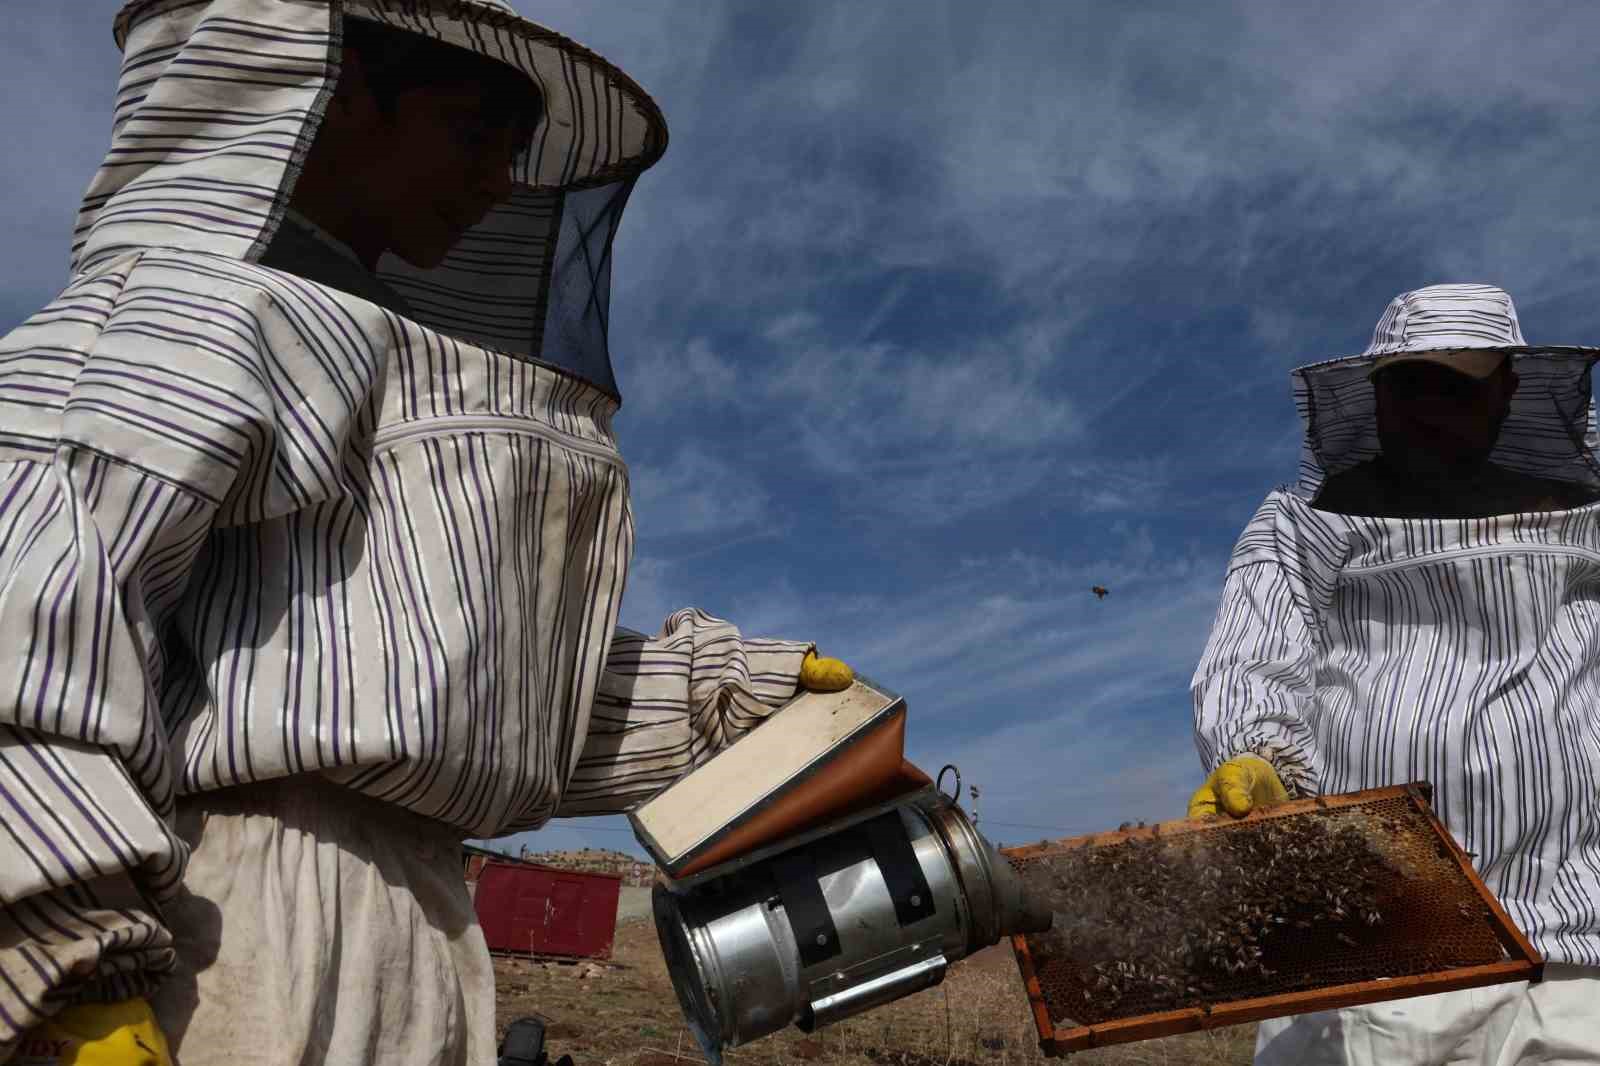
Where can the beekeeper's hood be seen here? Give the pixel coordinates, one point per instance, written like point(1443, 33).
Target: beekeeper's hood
point(1550, 431)
point(220, 99)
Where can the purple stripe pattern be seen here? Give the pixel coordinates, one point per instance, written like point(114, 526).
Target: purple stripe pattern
point(280, 530)
point(1355, 653)
point(251, 527)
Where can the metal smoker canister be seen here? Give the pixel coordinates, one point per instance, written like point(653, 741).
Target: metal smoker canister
point(840, 925)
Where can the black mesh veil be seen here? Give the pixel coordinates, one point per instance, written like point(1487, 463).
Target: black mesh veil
point(577, 319)
point(533, 279)
point(1550, 431)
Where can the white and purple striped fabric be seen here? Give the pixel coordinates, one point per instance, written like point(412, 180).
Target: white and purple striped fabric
point(1359, 652)
point(252, 527)
point(219, 98)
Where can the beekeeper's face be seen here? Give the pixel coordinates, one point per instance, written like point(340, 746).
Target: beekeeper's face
point(458, 167)
point(1432, 416)
point(420, 172)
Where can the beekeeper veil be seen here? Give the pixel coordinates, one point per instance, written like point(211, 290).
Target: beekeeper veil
point(219, 101)
point(1549, 431)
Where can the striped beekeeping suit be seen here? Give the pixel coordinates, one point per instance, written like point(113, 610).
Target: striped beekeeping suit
point(254, 527)
point(1356, 652)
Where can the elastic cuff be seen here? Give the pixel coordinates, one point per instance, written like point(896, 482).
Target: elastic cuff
point(1291, 765)
point(91, 943)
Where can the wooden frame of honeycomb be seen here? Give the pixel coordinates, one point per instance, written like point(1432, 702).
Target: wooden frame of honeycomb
point(1316, 904)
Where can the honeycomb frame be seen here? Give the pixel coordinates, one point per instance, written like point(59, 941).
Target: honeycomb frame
point(1439, 885)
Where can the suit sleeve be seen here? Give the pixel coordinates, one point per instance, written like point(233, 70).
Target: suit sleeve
point(1253, 687)
point(92, 554)
point(138, 413)
point(668, 703)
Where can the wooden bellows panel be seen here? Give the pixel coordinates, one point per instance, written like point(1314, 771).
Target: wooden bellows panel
point(1310, 905)
point(818, 758)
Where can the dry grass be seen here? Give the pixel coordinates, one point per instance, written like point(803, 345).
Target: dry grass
point(626, 1015)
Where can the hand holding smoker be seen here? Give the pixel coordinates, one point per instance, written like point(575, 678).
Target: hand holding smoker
point(853, 880)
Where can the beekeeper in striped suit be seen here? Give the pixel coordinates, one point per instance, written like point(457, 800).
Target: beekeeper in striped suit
point(1425, 605)
point(313, 535)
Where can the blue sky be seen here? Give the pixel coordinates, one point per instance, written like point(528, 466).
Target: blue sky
point(936, 314)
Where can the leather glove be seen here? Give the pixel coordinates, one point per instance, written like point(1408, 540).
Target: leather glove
point(1238, 787)
point(819, 674)
point(97, 1034)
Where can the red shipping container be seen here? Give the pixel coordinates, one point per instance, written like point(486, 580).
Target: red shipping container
point(537, 910)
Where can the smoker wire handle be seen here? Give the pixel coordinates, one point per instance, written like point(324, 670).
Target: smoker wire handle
point(938, 783)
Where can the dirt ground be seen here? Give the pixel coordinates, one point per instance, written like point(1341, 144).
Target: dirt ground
point(623, 1013)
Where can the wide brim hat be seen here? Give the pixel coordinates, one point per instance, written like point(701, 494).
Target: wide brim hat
point(219, 102)
point(598, 125)
point(1473, 329)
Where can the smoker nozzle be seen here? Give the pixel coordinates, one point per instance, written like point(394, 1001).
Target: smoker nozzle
point(1016, 909)
point(1001, 902)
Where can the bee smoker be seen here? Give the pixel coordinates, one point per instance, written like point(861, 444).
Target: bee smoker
point(836, 921)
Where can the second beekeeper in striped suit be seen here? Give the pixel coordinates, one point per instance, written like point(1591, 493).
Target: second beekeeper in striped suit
point(1425, 605)
point(313, 536)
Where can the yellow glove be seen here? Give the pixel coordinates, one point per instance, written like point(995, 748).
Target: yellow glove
point(98, 1034)
point(1238, 787)
point(824, 675)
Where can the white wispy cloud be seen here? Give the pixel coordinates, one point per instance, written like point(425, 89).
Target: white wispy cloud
point(931, 434)
point(933, 316)
point(1064, 776)
point(1073, 710)
point(1263, 177)
point(664, 378)
point(1015, 672)
point(989, 398)
point(698, 493)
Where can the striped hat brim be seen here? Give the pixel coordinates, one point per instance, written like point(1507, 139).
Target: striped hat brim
point(599, 126)
point(1340, 362)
